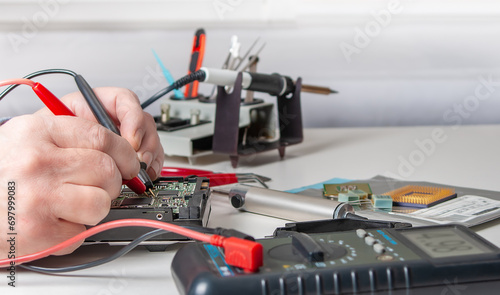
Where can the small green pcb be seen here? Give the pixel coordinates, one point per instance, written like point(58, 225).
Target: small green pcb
point(333, 190)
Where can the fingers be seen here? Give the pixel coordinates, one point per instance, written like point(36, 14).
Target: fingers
point(82, 184)
point(89, 168)
point(154, 169)
point(151, 151)
point(81, 204)
point(67, 169)
point(72, 132)
point(136, 126)
point(117, 102)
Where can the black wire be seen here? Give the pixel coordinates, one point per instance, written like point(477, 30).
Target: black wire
point(195, 76)
point(120, 253)
point(36, 74)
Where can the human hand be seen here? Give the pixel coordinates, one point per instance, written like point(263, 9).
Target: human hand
point(66, 171)
point(135, 125)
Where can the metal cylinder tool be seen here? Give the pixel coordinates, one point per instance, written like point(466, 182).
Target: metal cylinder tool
point(286, 205)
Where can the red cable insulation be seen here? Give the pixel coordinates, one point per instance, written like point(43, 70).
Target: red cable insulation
point(213, 239)
point(51, 101)
point(60, 109)
point(17, 81)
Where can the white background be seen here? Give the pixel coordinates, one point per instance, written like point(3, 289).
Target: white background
point(425, 60)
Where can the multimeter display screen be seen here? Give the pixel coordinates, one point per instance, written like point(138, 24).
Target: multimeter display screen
point(445, 242)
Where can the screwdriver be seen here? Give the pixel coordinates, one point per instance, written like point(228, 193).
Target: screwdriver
point(138, 184)
point(196, 61)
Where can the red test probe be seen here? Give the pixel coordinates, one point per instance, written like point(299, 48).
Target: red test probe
point(60, 109)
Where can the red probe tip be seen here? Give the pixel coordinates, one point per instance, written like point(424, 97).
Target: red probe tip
point(136, 185)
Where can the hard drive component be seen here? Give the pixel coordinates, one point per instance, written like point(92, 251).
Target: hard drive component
point(183, 201)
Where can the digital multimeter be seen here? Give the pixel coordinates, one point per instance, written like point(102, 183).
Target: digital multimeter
point(376, 261)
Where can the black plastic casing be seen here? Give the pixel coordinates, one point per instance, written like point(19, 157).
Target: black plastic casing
point(274, 84)
point(479, 274)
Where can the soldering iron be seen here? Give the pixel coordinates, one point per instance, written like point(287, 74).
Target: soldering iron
point(274, 84)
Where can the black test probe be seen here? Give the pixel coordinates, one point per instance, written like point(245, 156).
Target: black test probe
point(104, 119)
point(138, 184)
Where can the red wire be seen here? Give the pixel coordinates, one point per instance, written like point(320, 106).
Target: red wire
point(17, 81)
point(214, 239)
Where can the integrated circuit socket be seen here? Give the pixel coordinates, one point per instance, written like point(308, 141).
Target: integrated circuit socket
point(168, 192)
point(137, 202)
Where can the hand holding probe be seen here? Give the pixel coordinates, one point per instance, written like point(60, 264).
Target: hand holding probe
point(136, 184)
point(59, 109)
point(105, 120)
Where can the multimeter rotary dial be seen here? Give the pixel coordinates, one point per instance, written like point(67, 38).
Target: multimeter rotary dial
point(304, 248)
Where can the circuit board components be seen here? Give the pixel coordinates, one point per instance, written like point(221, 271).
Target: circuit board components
point(381, 202)
point(333, 189)
point(167, 194)
point(183, 201)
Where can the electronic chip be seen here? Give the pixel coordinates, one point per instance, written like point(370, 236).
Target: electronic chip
point(348, 197)
point(381, 201)
point(420, 196)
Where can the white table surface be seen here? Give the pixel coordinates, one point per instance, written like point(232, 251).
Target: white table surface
point(464, 156)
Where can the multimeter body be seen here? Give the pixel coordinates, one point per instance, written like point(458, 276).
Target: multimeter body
point(375, 261)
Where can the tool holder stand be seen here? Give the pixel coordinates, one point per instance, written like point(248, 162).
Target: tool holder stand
point(227, 137)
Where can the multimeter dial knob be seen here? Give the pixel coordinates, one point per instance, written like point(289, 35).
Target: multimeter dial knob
point(304, 248)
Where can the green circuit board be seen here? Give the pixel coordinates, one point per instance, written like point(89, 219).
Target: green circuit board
point(164, 194)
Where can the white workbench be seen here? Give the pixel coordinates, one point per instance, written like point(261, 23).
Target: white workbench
point(462, 156)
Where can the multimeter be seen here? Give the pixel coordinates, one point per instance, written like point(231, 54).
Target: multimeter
point(376, 261)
